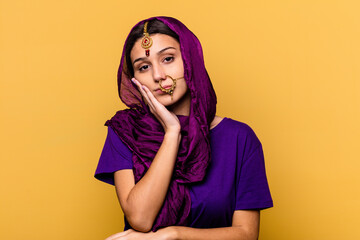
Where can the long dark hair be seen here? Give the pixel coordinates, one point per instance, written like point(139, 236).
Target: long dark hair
point(154, 26)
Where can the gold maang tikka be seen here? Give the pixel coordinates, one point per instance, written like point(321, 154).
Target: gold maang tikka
point(147, 41)
point(170, 90)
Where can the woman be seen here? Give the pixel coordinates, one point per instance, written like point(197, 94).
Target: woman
point(178, 169)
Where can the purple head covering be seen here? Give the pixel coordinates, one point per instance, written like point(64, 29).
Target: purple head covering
point(139, 129)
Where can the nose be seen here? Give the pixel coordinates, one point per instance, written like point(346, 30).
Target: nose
point(158, 73)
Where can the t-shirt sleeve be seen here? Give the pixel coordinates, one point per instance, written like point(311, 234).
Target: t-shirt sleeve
point(252, 189)
point(114, 156)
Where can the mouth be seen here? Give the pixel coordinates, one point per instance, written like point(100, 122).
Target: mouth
point(166, 87)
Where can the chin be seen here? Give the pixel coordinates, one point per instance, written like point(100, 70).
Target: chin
point(179, 101)
point(166, 100)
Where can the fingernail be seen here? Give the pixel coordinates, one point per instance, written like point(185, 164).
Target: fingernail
point(133, 80)
point(143, 87)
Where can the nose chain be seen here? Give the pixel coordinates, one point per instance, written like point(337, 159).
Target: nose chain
point(171, 89)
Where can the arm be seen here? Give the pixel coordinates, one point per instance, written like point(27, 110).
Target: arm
point(142, 202)
point(245, 226)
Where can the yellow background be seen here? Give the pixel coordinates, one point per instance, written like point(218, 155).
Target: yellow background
point(289, 69)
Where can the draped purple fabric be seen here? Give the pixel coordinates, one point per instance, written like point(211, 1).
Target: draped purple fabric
point(138, 128)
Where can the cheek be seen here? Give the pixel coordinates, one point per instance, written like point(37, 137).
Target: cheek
point(142, 78)
point(182, 85)
point(180, 67)
point(181, 64)
point(176, 68)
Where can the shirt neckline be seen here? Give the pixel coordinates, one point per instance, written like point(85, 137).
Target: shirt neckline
point(218, 125)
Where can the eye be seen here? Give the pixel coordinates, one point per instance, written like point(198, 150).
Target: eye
point(143, 68)
point(168, 59)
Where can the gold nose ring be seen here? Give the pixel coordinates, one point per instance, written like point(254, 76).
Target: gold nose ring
point(170, 90)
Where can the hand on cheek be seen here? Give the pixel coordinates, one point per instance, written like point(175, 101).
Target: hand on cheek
point(168, 119)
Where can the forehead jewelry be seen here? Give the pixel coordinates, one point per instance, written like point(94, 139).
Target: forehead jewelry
point(170, 90)
point(146, 42)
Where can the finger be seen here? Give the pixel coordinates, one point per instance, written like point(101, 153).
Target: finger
point(150, 97)
point(137, 84)
point(156, 107)
point(159, 107)
point(155, 104)
point(143, 93)
point(120, 234)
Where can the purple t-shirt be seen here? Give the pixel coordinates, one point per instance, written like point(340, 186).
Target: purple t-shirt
point(236, 178)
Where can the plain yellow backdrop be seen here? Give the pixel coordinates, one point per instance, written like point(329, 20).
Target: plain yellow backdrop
point(289, 69)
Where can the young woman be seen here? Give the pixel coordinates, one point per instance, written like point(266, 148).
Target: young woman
point(180, 171)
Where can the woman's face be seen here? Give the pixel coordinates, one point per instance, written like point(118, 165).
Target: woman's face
point(164, 59)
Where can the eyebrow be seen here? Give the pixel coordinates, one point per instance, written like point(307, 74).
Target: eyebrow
point(158, 53)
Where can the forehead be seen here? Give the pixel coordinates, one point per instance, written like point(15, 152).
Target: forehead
point(160, 41)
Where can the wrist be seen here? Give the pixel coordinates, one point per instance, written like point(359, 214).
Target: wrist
point(167, 233)
point(173, 233)
point(173, 134)
point(173, 130)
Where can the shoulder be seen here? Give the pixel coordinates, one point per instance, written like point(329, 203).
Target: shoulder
point(123, 116)
point(216, 121)
point(226, 123)
point(116, 144)
point(234, 129)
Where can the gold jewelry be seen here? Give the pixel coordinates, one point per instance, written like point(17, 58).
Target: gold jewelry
point(147, 41)
point(170, 90)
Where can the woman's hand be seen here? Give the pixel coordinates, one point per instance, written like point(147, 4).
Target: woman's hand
point(130, 235)
point(161, 234)
point(168, 119)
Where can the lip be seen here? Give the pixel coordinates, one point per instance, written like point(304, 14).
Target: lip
point(166, 87)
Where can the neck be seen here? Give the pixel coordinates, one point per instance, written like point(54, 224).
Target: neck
point(181, 107)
